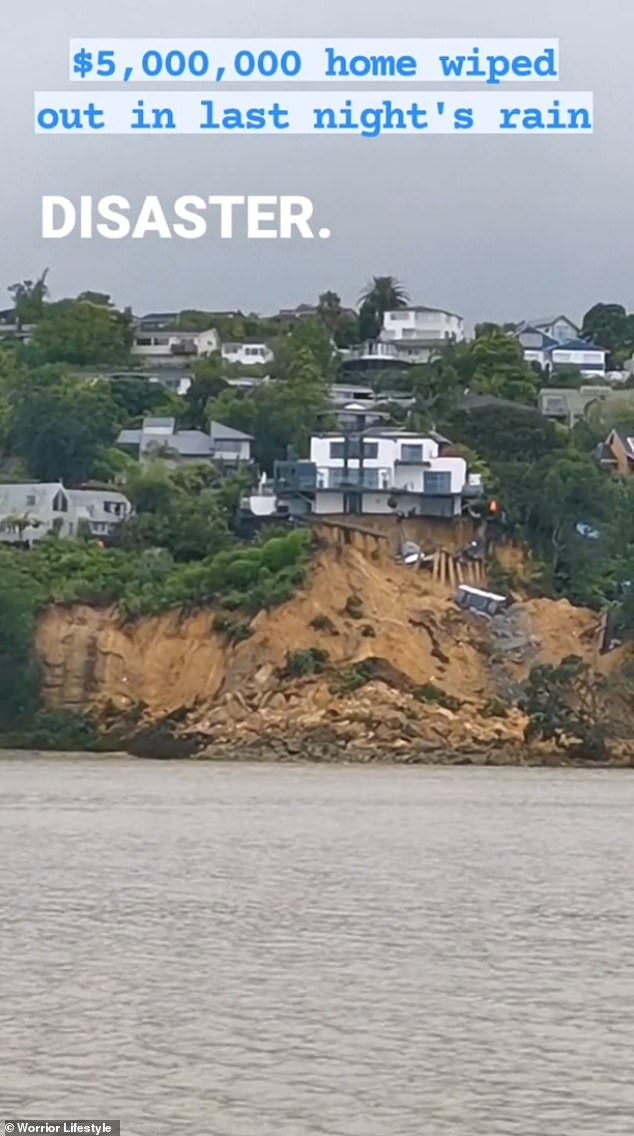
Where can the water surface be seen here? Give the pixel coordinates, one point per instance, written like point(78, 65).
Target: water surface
point(286, 951)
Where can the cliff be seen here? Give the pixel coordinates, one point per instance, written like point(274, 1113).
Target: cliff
point(372, 656)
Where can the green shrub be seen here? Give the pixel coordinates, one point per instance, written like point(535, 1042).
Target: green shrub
point(312, 661)
point(323, 623)
point(235, 631)
point(494, 708)
point(429, 692)
point(352, 678)
point(354, 607)
point(57, 730)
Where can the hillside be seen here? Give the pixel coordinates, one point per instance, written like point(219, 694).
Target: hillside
point(369, 655)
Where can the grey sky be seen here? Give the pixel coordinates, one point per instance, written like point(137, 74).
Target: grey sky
point(496, 228)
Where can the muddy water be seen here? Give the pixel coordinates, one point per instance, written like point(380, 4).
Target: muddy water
point(267, 951)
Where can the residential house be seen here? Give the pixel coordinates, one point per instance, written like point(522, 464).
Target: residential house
point(569, 405)
point(159, 438)
point(419, 333)
point(616, 454)
point(159, 339)
point(248, 353)
point(555, 344)
point(32, 510)
point(382, 470)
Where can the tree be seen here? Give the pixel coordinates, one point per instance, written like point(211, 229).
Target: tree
point(494, 364)
point(609, 326)
point(329, 310)
point(502, 433)
point(382, 294)
point(342, 325)
point(83, 334)
point(567, 705)
point(28, 298)
point(60, 427)
point(135, 396)
point(207, 383)
point(308, 344)
point(561, 495)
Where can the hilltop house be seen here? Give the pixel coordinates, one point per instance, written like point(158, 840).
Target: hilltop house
point(159, 437)
point(418, 333)
point(158, 337)
point(32, 510)
point(555, 343)
point(382, 470)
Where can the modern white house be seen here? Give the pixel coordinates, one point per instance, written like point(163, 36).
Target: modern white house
point(160, 438)
point(400, 472)
point(30, 511)
point(418, 333)
point(248, 353)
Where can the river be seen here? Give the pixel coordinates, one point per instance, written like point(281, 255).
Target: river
point(236, 950)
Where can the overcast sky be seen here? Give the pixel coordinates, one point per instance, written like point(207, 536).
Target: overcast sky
point(497, 228)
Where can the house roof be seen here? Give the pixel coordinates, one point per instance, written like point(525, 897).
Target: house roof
point(129, 437)
point(547, 340)
point(189, 443)
point(159, 424)
point(578, 345)
point(625, 435)
point(547, 321)
point(424, 308)
point(221, 432)
point(251, 341)
point(14, 495)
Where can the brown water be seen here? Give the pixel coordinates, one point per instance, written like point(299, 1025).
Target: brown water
point(275, 951)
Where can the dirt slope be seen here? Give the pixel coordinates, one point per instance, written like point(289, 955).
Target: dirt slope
point(408, 626)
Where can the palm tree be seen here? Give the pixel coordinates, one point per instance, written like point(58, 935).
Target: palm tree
point(383, 294)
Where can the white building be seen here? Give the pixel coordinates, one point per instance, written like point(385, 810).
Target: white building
point(31, 511)
point(165, 345)
point(249, 353)
point(418, 333)
point(401, 471)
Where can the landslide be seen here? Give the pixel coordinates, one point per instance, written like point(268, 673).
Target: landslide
point(398, 662)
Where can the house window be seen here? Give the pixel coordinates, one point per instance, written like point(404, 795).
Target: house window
point(411, 453)
point(368, 479)
point(370, 450)
point(226, 446)
point(30, 499)
point(437, 482)
point(60, 503)
point(399, 315)
point(144, 341)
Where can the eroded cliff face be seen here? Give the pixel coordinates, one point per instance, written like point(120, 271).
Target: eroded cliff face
point(408, 632)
